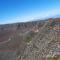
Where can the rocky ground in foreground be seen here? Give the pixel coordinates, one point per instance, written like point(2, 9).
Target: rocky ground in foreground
point(39, 40)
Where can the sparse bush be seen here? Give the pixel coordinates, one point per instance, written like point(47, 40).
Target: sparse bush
point(28, 39)
point(53, 58)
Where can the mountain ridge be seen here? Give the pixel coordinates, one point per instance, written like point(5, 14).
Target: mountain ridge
point(39, 40)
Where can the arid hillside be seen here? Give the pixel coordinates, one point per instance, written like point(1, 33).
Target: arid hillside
point(37, 40)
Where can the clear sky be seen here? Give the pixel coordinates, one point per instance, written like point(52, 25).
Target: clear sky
point(12, 11)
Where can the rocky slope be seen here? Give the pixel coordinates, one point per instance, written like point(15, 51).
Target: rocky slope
point(39, 40)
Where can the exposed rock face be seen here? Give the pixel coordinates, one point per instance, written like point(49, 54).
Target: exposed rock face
point(57, 20)
point(38, 40)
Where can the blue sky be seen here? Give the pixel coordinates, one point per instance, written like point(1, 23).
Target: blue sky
point(12, 11)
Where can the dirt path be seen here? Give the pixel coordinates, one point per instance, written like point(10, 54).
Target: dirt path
point(5, 41)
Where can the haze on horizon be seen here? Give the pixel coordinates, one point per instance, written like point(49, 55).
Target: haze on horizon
point(12, 11)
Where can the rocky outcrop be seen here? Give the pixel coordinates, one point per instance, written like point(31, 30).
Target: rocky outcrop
point(56, 20)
